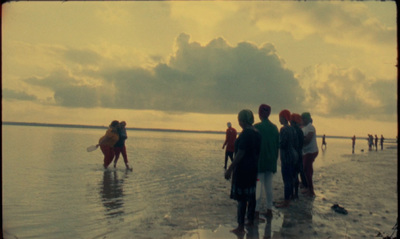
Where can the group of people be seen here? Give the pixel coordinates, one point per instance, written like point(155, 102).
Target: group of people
point(254, 161)
point(371, 142)
point(112, 144)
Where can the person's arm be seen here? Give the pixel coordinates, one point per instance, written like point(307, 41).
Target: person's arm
point(226, 141)
point(307, 138)
point(238, 157)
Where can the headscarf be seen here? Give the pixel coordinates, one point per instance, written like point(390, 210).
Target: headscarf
point(114, 123)
point(285, 114)
point(246, 116)
point(306, 116)
point(295, 118)
point(264, 111)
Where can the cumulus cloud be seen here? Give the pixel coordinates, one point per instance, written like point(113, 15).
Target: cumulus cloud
point(343, 92)
point(17, 95)
point(336, 23)
point(214, 78)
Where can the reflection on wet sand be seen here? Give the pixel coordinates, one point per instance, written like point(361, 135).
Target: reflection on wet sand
point(112, 194)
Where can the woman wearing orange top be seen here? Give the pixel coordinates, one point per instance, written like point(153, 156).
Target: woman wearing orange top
point(108, 141)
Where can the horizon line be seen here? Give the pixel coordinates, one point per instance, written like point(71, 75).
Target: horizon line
point(137, 129)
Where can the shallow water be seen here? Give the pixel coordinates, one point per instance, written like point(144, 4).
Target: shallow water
point(53, 188)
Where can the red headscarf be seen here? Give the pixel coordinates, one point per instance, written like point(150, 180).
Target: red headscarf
point(296, 118)
point(285, 114)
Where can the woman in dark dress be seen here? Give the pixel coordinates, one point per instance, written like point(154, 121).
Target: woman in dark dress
point(244, 170)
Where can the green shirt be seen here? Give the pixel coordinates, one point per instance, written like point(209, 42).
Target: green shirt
point(269, 146)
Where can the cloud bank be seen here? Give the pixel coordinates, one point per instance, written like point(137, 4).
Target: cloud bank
point(215, 78)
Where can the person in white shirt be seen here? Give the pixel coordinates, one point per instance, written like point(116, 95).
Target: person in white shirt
point(310, 151)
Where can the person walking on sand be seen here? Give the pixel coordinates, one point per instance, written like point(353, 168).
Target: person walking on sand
point(310, 151)
point(353, 143)
point(382, 139)
point(323, 146)
point(230, 138)
point(108, 141)
point(119, 147)
point(243, 170)
point(376, 142)
point(267, 162)
point(287, 143)
point(295, 122)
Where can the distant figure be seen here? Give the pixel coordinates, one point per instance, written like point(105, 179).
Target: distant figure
point(382, 139)
point(295, 122)
point(230, 138)
point(370, 141)
point(108, 141)
point(119, 147)
point(376, 142)
point(323, 146)
point(287, 143)
point(244, 169)
point(267, 162)
point(310, 151)
point(353, 143)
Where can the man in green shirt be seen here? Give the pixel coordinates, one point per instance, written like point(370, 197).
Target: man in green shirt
point(268, 158)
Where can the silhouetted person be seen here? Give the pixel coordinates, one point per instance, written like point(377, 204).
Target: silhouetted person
point(230, 138)
point(243, 170)
point(353, 143)
point(382, 139)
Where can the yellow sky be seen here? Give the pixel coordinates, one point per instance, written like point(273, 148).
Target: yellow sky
point(194, 65)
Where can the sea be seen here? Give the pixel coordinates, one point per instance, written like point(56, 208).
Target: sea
point(53, 188)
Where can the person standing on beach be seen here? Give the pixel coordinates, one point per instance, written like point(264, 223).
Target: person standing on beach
point(119, 147)
point(108, 141)
point(353, 143)
point(295, 122)
point(243, 170)
point(268, 158)
point(230, 138)
point(287, 143)
point(376, 142)
point(310, 151)
point(382, 139)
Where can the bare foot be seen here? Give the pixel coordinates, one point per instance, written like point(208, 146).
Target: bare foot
point(239, 230)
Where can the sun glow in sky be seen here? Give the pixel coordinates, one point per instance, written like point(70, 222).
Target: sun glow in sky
point(194, 65)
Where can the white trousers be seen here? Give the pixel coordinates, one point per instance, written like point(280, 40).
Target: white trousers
point(264, 185)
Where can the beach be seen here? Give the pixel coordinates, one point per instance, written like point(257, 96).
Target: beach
point(177, 189)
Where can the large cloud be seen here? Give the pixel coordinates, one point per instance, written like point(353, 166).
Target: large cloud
point(340, 92)
point(215, 78)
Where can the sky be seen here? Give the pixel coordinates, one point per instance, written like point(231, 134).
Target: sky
point(194, 65)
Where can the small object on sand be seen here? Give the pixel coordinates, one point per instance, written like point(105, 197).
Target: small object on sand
point(362, 150)
point(339, 209)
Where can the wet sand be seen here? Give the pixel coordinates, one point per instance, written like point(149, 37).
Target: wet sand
point(365, 185)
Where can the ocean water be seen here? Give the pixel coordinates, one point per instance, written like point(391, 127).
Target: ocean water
point(53, 188)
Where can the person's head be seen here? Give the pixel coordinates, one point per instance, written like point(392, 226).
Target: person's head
point(245, 118)
point(306, 117)
point(264, 111)
point(122, 123)
point(284, 117)
point(295, 119)
point(229, 124)
point(114, 124)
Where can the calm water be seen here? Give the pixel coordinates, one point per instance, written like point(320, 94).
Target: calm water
point(53, 188)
